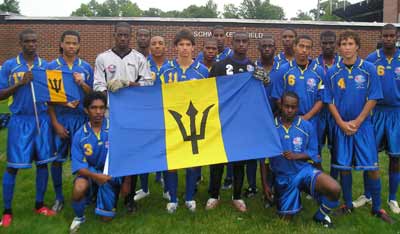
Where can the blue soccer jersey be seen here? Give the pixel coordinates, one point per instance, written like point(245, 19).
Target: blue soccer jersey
point(350, 88)
point(172, 72)
point(12, 72)
point(320, 61)
point(227, 52)
point(300, 137)
point(268, 87)
point(156, 71)
point(281, 58)
point(89, 149)
point(79, 66)
point(389, 73)
point(307, 84)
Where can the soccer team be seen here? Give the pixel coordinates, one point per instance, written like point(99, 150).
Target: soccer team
point(339, 98)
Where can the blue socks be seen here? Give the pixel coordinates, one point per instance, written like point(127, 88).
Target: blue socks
point(374, 186)
point(325, 208)
point(8, 188)
point(346, 182)
point(394, 179)
point(42, 177)
point(172, 184)
point(251, 173)
point(79, 207)
point(191, 179)
point(144, 182)
point(56, 175)
point(367, 192)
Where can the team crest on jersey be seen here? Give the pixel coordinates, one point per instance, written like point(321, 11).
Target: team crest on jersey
point(311, 84)
point(360, 81)
point(112, 68)
point(250, 68)
point(397, 72)
point(297, 143)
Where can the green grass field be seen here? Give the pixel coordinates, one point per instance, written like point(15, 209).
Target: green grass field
point(152, 217)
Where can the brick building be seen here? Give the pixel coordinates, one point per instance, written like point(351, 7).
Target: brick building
point(96, 33)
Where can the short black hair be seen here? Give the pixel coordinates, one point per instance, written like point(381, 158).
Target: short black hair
point(290, 94)
point(123, 25)
point(92, 96)
point(184, 34)
point(350, 34)
point(209, 39)
point(266, 37)
point(25, 32)
point(327, 33)
point(69, 33)
point(290, 29)
point(218, 26)
point(389, 27)
point(305, 37)
point(144, 29)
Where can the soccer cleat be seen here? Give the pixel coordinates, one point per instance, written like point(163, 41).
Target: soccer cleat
point(383, 215)
point(76, 223)
point(394, 206)
point(6, 220)
point(140, 194)
point(45, 211)
point(326, 222)
point(227, 184)
point(309, 197)
point(344, 210)
point(130, 205)
point(171, 207)
point(239, 205)
point(166, 196)
point(361, 201)
point(212, 203)
point(58, 206)
point(191, 205)
point(250, 192)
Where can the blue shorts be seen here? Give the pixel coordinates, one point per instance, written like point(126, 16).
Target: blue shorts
point(325, 128)
point(25, 144)
point(357, 151)
point(72, 123)
point(387, 130)
point(288, 189)
point(107, 194)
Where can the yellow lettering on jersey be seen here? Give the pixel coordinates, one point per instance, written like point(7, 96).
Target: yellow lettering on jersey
point(291, 80)
point(88, 149)
point(381, 70)
point(341, 83)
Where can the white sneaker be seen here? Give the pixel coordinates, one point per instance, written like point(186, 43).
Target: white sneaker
point(171, 207)
point(166, 196)
point(212, 203)
point(309, 197)
point(361, 201)
point(76, 223)
point(140, 194)
point(191, 205)
point(394, 206)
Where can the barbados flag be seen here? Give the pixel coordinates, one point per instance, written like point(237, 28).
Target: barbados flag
point(54, 86)
point(188, 124)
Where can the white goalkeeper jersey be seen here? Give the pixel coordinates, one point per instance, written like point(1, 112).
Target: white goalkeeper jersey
point(132, 67)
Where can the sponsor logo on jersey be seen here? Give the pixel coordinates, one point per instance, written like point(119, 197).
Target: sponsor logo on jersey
point(360, 81)
point(311, 84)
point(297, 143)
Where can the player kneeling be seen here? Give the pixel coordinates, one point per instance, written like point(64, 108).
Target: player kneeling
point(293, 173)
point(89, 151)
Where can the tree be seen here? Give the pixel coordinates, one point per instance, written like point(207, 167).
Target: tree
point(231, 11)
point(301, 15)
point(326, 9)
point(10, 6)
point(207, 11)
point(258, 9)
point(108, 8)
point(152, 12)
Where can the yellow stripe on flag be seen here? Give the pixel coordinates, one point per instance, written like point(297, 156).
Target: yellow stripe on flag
point(193, 130)
point(56, 86)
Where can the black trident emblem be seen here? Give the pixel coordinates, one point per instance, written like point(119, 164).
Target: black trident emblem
point(194, 137)
point(55, 84)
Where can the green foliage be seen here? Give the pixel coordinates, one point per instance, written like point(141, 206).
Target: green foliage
point(326, 9)
point(231, 11)
point(253, 9)
point(301, 15)
point(10, 6)
point(108, 8)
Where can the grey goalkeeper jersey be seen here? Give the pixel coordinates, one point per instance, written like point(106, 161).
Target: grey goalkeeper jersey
point(111, 66)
